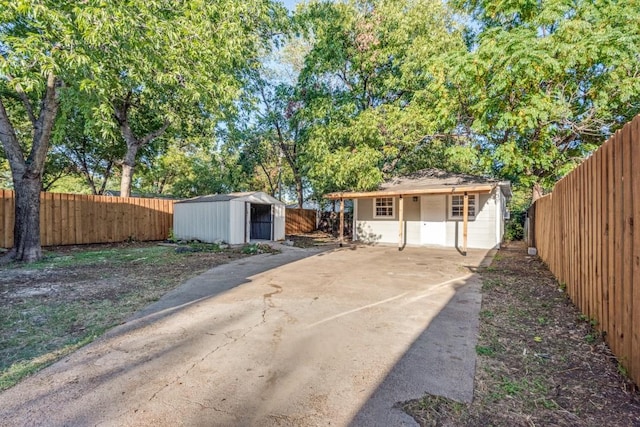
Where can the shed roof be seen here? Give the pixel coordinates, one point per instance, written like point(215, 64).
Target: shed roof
point(429, 181)
point(249, 196)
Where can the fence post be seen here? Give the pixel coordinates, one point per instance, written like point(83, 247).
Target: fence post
point(531, 226)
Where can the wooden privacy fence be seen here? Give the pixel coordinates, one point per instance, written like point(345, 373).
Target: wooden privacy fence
point(300, 221)
point(588, 232)
point(70, 219)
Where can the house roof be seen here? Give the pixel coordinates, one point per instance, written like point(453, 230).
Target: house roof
point(249, 196)
point(429, 181)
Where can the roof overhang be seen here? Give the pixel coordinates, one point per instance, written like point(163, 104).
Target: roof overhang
point(457, 189)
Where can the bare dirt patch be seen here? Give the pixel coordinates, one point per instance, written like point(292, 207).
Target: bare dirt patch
point(77, 292)
point(316, 238)
point(540, 362)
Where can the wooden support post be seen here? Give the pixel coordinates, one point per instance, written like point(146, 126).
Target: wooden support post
point(465, 222)
point(400, 223)
point(341, 221)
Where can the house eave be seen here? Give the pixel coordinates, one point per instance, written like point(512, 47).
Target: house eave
point(457, 189)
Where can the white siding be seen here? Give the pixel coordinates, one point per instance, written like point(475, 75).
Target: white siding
point(481, 231)
point(207, 222)
point(427, 223)
point(385, 230)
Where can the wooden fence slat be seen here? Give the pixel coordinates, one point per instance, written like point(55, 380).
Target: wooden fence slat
point(618, 239)
point(627, 244)
point(3, 213)
point(611, 242)
point(596, 239)
point(599, 205)
point(57, 231)
point(43, 218)
point(581, 234)
point(604, 214)
point(634, 357)
point(589, 294)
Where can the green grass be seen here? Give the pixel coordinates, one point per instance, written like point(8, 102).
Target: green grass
point(82, 258)
point(34, 335)
point(37, 330)
point(19, 370)
point(485, 351)
point(115, 256)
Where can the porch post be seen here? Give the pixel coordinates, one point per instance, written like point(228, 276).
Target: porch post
point(400, 222)
point(465, 222)
point(341, 221)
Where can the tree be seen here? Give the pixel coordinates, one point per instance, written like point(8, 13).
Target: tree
point(30, 83)
point(367, 88)
point(266, 130)
point(134, 67)
point(84, 150)
point(547, 82)
point(187, 64)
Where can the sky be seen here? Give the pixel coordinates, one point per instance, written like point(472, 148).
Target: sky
point(290, 4)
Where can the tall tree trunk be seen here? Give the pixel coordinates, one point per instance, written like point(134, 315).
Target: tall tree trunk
point(134, 143)
point(26, 230)
point(128, 167)
point(27, 173)
point(299, 190)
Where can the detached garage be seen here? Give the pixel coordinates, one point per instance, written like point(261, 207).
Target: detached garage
point(234, 218)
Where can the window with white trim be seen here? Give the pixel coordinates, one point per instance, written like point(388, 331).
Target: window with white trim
point(456, 206)
point(384, 207)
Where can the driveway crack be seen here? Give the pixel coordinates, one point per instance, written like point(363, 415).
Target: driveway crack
point(202, 359)
point(267, 305)
point(267, 301)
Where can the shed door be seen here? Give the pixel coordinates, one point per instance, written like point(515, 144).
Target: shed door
point(261, 220)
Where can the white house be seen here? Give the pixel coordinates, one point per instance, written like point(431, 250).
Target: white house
point(234, 218)
point(432, 208)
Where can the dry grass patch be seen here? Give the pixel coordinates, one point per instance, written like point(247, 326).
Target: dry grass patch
point(540, 362)
point(76, 293)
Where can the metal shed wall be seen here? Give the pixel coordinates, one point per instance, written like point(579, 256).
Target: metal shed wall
point(279, 221)
point(237, 221)
point(206, 221)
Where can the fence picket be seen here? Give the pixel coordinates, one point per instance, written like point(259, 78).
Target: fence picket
point(634, 357)
point(627, 243)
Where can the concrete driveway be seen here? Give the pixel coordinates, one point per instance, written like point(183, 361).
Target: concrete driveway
point(296, 339)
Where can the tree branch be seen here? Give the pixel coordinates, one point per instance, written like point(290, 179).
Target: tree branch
point(10, 143)
point(25, 101)
point(44, 126)
point(156, 133)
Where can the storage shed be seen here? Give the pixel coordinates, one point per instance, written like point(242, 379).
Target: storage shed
point(234, 218)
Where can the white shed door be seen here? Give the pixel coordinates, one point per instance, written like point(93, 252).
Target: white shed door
point(433, 216)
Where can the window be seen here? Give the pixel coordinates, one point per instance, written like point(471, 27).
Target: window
point(383, 207)
point(457, 205)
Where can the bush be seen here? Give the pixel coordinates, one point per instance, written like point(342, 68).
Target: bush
point(514, 227)
point(518, 205)
point(258, 248)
